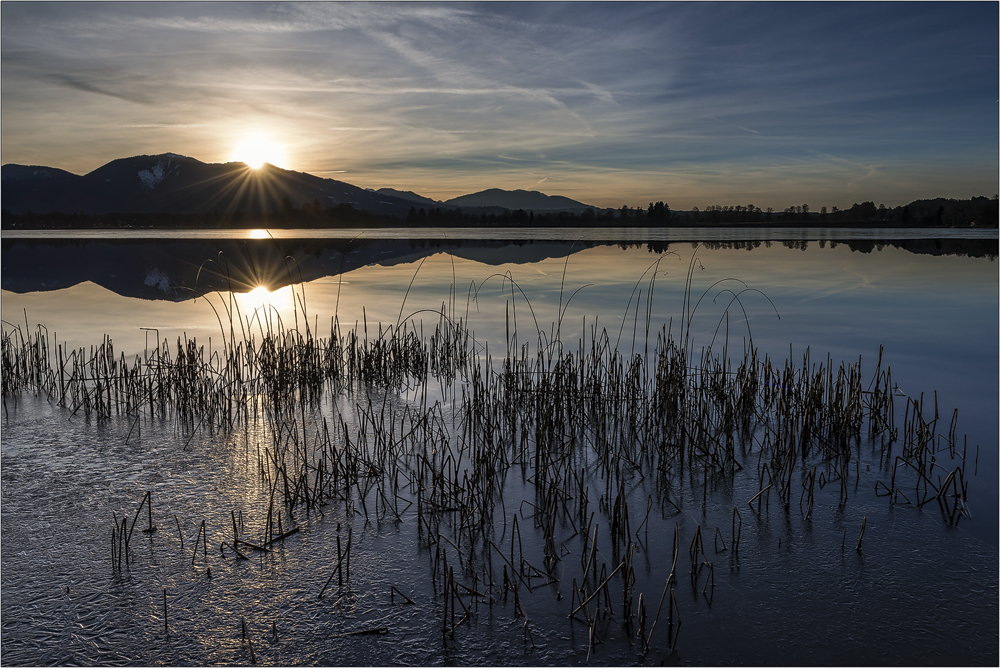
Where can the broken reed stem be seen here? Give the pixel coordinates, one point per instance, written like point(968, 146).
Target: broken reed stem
point(659, 607)
point(757, 495)
point(718, 537)
point(149, 507)
point(336, 570)
point(393, 590)
point(246, 636)
point(737, 529)
point(602, 585)
point(203, 538)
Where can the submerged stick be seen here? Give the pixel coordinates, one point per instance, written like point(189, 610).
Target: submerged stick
point(381, 630)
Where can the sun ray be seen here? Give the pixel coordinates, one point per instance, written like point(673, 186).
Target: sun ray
point(244, 189)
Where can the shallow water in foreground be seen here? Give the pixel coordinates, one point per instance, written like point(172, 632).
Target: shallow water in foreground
point(918, 593)
point(795, 592)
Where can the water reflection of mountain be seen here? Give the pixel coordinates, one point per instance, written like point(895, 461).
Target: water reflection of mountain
point(178, 270)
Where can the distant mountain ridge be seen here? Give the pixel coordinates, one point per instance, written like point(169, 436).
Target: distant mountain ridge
point(528, 200)
point(410, 196)
point(169, 183)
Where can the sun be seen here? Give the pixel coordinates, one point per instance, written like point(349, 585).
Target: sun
point(256, 150)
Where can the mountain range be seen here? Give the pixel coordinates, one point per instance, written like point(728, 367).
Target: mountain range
point(176, 184)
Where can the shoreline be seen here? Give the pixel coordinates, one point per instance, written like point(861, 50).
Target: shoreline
point(739, 232)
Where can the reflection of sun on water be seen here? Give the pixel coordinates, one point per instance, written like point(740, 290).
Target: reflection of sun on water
point(258, 234)
point(266, 305)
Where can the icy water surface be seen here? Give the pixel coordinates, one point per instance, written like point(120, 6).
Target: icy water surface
point(920, 590)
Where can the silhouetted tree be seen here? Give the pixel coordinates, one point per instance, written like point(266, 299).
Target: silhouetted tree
point(658, 214)
point(864, 212)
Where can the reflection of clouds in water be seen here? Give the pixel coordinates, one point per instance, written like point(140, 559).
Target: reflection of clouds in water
point(865, 281)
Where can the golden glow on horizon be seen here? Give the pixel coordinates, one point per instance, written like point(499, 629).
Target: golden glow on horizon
point(256, 150)
point(258, 234)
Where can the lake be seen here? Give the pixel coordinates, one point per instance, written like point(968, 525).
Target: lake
point(536, 446)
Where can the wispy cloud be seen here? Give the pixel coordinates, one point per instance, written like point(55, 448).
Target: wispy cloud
point(91, 87)
point(614, 101)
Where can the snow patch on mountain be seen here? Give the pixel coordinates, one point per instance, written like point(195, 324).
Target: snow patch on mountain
point(153, 176)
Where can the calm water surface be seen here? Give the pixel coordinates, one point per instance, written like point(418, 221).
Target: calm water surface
point(920, 592)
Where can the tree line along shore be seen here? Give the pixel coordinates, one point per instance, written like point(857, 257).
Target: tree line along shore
point(977, 212)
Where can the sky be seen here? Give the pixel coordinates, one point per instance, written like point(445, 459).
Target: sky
point(611, 104)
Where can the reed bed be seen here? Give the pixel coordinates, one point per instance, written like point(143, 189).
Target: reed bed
point(393, 423)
